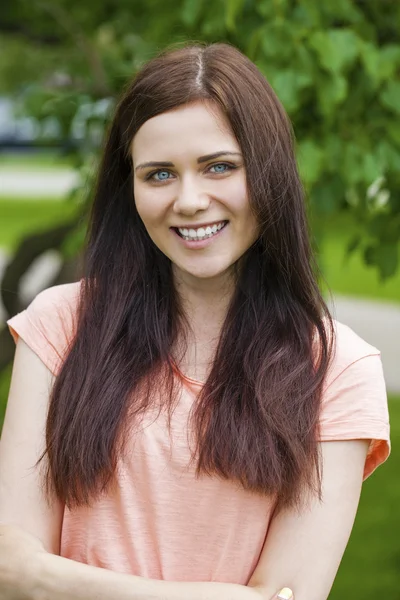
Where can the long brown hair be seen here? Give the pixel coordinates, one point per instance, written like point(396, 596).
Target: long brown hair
point(256, 418)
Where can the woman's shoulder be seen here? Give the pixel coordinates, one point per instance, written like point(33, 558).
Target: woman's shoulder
point(353, 359)
point(55, 308)
point(349, 347)
point(48, 324)
point(64, 296)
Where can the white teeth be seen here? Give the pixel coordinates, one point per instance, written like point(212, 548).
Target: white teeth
point(201, 233)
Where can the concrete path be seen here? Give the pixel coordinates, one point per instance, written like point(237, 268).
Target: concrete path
point(39, 183)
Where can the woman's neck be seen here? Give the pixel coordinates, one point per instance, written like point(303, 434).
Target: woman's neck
point(205, 301)
point(205, 304)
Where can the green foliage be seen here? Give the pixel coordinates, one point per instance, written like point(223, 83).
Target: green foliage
point(334, 65)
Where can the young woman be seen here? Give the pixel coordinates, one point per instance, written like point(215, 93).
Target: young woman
point(187, 420)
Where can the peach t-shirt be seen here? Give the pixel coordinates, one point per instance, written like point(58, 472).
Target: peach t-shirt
point(162, 522)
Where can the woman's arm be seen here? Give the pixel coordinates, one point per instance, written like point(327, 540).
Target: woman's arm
point(28, 572)
point(22, 501)
point(304, 548)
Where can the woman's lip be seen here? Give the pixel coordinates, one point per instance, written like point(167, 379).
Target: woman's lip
point(198, 225)
point(198, 244)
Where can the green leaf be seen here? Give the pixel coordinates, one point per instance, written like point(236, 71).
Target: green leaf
point(190, 11)
point(288, 85)
point(327, 195)
point(272, 45)
point(371, 59)
point(390, 96)
point(394, 131)
point(333, 147)
point(353, 244)
point(233, 9)
point(353, 162)
point(331, 93)
point(336, 49)
point(254, 43)
point(310, 160)
point(385, 257)
point(308, 12)
point(372, 167)
point(389, 60)
point(343, 10)
point(389, 155)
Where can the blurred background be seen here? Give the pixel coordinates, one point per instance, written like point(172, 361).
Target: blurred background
point(336, 68)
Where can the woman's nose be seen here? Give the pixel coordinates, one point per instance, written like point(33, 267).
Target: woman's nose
point(191, 199)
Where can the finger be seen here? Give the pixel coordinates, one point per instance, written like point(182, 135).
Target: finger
point(285, 594)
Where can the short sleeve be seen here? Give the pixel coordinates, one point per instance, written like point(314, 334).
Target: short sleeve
point(354, 401)
point(48, 325)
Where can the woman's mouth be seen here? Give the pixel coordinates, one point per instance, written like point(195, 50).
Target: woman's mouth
point(201, 233)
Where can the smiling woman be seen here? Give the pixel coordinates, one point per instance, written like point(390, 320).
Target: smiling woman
point(207, 423)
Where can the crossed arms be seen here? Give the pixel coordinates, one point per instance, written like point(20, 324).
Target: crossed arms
point(303, 549)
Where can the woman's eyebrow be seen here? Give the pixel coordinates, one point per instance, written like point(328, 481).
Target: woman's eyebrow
point(200, 160)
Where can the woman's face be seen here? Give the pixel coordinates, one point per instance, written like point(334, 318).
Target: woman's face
point(190, 190)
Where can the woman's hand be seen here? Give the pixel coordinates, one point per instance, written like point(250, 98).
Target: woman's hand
point(19, 552)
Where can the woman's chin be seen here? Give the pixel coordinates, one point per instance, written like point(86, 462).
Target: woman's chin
point(206, 272)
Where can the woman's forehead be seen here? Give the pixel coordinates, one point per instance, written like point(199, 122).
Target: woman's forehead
point(194, 128)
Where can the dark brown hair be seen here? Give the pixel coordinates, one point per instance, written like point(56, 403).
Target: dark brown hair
point(256, 419)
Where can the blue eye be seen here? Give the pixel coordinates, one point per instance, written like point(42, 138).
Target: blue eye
point(221, 165)
point(161, 173)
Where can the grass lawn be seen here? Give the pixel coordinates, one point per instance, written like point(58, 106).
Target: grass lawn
point(42, 159)
point(19, 216)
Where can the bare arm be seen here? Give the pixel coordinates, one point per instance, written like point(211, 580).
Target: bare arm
point(28, 572)
point(47, 576)
point(303, 549)
point(22, 501)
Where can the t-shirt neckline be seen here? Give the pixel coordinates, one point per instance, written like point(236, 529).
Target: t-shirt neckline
point(185, 377)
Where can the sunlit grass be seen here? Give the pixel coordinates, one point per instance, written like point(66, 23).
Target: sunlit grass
point(19, 217)
point(44, 159)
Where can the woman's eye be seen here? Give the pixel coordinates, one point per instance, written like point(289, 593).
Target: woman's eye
point(225, 167)
point(162, 175)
